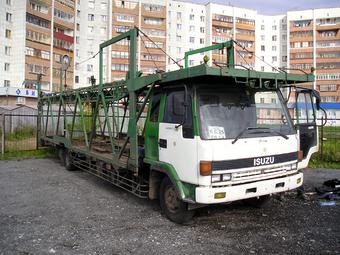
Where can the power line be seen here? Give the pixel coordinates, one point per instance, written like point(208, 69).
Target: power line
point(82, 62)
point(159, 47)
point(242, 47)
point(154, 62)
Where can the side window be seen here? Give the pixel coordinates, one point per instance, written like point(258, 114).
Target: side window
point(175, 111)
point(174, 107)
point(305, 108)
point(155, 108)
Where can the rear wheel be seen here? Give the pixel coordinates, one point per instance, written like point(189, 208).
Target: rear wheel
point(172, 205)
point(258, 202)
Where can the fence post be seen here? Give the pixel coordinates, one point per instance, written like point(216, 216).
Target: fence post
point(322, 138)
point(3, 135)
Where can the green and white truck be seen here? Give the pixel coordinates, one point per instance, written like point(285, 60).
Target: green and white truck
point(197, 136)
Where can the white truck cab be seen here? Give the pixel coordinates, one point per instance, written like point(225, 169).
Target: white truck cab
point(231, 142)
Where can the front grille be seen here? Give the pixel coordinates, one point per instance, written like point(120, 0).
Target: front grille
point(258, 174)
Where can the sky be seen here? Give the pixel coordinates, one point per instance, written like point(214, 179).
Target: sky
point(273, 7)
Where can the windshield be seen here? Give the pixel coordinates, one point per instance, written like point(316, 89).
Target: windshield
point(224, 114)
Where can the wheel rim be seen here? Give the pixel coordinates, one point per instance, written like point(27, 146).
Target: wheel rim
point(172, 200)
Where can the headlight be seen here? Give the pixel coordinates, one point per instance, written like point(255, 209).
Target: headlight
point(226, 177)
point(216, 178)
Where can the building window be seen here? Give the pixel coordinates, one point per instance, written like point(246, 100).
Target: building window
point(120, 54)
point(39, 7)
point(63, 16)
point(192, 39)
point(78, 13)
point(262, 27)
point(8, 2)
point(153, 21)
point(179, 50)
point(8, 17)
point(284, 37)
point(262, 37)
point(202, 29)
point(328, 87)
point(90, 17)
point(6, 67)
point(201, 40)
point(284, 58)
point(178, 38)
point(262, 68)
point(192, 28)
point(273, 48)
point(76, 78)
point(104, 18)
point(154, 45)
point(91, 4)
point(263, 48)
point(179, 26)
point(37, 21)
point(45, 54)
point(78, 26)
point(274, 27)
point(191, 16)
point(120, 67)
point(202, 18)
point(125, 17)
point(7, 50)
point(8, 33)
point(7, 83)
point(179, 15)
point(274, 58)
point(274, 38)
point(153, 7)
point(89, 68)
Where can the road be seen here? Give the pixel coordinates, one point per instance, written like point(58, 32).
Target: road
point(46, 210)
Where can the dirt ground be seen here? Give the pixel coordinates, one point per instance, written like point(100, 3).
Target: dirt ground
point(46, 210)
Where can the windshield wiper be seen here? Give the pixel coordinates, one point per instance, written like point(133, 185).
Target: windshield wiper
point(264, 130)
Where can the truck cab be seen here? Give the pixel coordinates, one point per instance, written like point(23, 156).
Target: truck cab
point(220, 141)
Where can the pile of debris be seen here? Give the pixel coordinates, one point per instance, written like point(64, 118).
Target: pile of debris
point(329, 192)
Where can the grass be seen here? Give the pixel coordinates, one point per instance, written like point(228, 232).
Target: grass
point(330, 157)
point(18, 155)
point(21, 133)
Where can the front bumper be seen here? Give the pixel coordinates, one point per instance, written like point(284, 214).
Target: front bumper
point(206, 195)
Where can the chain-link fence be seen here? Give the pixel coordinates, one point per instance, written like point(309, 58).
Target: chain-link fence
point(18, 132)
point(330, 141)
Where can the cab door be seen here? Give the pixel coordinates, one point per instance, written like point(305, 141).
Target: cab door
point(306, 125)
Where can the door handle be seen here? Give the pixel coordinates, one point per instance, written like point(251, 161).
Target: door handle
point(163, 143)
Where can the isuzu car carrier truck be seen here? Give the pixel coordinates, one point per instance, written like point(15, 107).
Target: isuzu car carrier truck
point(196, 136)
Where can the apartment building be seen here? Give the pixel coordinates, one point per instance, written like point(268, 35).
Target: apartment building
point(92, 28)
point(34, 37)
point(314, 42)
point(150, 17)
point(271, 43)
point(186, 30)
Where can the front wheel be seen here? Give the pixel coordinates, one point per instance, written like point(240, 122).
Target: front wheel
point(172, 205)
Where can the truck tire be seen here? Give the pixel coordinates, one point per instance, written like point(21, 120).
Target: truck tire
point(258, 202)
point(171, 204)
point(68, 161)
